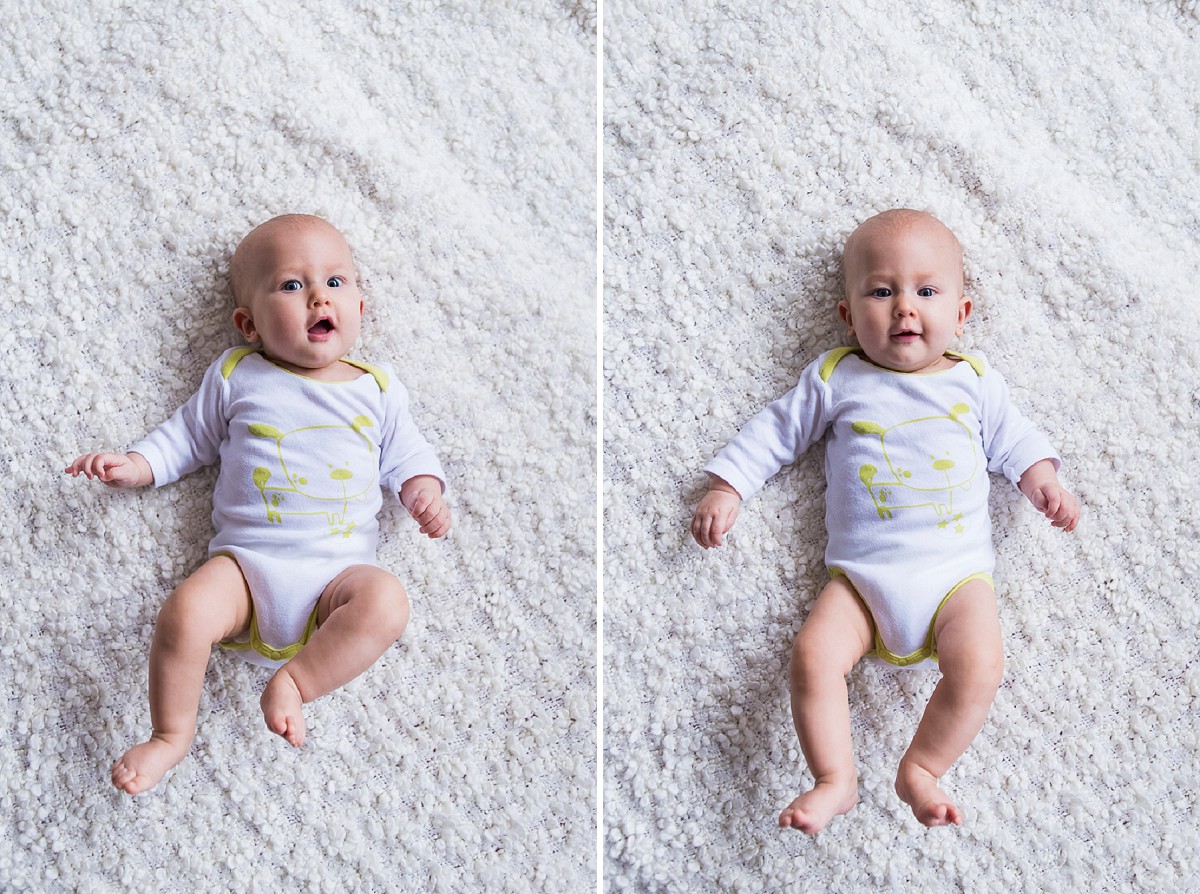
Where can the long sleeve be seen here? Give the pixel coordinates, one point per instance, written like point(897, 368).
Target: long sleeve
point(776, 436)
point(192, 437)
point(1010, 441)
point(404, 451)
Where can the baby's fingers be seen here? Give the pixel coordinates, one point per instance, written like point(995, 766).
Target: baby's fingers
point(92, 465)
point(1068, 515)
point(421, 504)
point(428, 514)
point(1053, 502)
point(708, 528)
point(438, 524)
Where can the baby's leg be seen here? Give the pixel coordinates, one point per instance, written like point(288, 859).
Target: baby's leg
point(838, 632)
point(211, 605)
point(971, 657)
point(360, 614)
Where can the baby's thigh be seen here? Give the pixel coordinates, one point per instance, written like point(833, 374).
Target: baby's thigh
point(967, 631)
point(370, 589)
point(214, 599)
point(838, 631)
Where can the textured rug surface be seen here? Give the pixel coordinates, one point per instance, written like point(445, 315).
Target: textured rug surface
point(454, 145)
point(743, 143)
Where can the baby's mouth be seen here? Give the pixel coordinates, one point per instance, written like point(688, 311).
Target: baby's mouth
point(322, 327)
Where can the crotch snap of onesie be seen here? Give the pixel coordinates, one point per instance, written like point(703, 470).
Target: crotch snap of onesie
point(255, 642)
point(283, 608)
point(929, 649)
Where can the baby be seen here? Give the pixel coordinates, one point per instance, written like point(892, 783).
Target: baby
point(305, 441)
point(913, 430)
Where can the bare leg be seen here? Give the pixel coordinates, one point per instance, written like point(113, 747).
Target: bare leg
point(971, 657)
point(838, 632)
point(211, 605)
point(361, 613)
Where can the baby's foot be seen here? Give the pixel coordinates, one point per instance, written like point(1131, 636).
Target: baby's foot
point(812, 811)
point(282, 708)
point(142, 767)
point(918, 789)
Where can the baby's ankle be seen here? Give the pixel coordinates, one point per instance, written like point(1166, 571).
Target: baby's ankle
point(174, 738)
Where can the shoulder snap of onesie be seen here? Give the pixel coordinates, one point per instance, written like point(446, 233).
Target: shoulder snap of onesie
point(377, 373)
point(833, 358)
point(233, 358)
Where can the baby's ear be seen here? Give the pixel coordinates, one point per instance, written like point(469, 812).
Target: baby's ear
point(965, 306)
point(244, 323)
point(844, 313)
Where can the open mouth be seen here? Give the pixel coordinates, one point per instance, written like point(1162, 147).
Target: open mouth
point(321, 327)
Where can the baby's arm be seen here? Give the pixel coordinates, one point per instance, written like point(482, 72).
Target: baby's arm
point(114, 469)
point(717, 512)
point(1040, 484)
point(422, 497)
point(775, 436)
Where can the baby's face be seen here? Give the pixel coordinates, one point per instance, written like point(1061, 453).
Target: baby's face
point(298, 295)
point(904, 291)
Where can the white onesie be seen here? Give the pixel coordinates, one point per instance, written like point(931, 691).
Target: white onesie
point(906, 466)
point(302, 466)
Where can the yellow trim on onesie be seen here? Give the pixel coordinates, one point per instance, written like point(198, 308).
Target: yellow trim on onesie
point(929, 650)
point(287, 653)
point(378, 374)
point(239, 354)
point(837, 355)
point(235, 357)
point(971, 360)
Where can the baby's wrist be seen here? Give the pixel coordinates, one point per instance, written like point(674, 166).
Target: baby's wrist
point(720, 485)
point(1039, 475)
point(145, 474)
point(417, 485)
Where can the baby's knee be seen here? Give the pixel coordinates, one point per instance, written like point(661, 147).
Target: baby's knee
point(810, 658)
point(979, 675)
point(386, 601)
point(397, 611)
point(991, 670)
point(213, 604)
point(184, 611)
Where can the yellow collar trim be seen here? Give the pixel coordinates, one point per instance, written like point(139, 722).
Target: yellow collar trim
point(837, 355)
point(238, 355)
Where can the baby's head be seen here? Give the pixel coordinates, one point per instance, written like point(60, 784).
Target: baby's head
point(904, 300)
point(296, 292)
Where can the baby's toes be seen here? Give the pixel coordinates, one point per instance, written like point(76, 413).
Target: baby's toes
point(123, 777)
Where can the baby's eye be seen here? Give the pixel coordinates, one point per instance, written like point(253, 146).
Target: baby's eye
point(334, 282)
point(292, 285)
point(881, 293)
point(926, 292)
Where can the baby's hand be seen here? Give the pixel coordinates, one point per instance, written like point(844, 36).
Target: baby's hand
point(1056, 503)
point(1040, 484)
point(715, 515)
point(114, 469)
point(422, 497)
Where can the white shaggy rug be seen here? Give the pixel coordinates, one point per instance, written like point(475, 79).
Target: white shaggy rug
point(743, 142)
point(454, 145)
